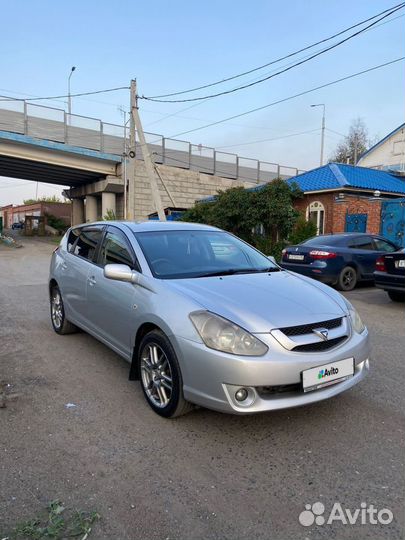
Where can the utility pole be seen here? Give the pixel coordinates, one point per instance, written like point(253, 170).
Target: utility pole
point(124, 157)
point(322, 130)
point(149, 166)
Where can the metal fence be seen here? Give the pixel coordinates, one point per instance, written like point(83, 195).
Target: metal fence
point(49, 123)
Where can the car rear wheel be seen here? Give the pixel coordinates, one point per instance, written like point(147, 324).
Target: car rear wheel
point(396, 296)
point(160, 375)
point(59, 322)
point(347, 279)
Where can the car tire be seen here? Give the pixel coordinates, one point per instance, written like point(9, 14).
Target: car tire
point(396, 296)
point(59, 322)
point(160, 376)
point(347, 279)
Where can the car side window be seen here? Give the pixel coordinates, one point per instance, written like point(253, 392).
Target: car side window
point(71, 239)
point(116, 250)
point(87, 242)
point(362, 242)
point(383, 245)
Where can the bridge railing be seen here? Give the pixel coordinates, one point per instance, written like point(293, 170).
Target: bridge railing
point(50, 123)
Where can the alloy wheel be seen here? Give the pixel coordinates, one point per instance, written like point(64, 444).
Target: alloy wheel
point(348, 278)
point(57, 309)
point(156, 375)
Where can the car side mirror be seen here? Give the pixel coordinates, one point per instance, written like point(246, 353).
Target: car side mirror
point(272, 259)
point(121, 272)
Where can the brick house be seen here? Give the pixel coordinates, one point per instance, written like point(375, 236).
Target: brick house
point(15, 214)
point(339, 197)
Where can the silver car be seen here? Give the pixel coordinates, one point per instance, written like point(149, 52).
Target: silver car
point(204, 318)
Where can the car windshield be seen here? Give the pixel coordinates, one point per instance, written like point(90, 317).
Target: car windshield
point(197, 253)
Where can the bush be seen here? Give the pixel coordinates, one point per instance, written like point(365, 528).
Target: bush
point(56, 223)
point(243, 212)
point(303, 230)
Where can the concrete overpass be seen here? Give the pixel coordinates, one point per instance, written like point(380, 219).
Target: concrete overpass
point(49, 145)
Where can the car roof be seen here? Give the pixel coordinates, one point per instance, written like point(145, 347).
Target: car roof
point(155, 225)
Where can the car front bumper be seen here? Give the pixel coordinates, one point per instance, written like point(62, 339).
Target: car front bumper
point(211, 378)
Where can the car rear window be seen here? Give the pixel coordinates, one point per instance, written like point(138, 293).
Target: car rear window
point(72, 237)
point(328, 240)
point(361, 242)
point(86, 244)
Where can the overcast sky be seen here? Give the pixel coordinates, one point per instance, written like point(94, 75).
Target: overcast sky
point(174, 45)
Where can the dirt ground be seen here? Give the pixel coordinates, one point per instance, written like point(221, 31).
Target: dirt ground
point(202, 476)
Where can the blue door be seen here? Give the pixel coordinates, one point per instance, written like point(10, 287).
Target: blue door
point(393, 221)
point(356, 223)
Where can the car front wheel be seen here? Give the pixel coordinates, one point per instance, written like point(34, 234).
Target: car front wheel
point(160, 376)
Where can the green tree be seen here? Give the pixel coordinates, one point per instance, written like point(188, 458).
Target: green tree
point(274, 210)
point(265, 217)
point(52, 198)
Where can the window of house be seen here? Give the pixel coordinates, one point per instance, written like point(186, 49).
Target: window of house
point(316, 214)
point(398, 148)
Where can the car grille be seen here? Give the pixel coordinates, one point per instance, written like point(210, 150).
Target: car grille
point(320, 345)
point(308, 328)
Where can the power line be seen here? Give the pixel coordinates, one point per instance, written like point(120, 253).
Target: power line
point(71, 95)
point(272, 139)
point(278, 59)
point(290, 97)
point(336, 132)
point(177, 113)
point(315, 55)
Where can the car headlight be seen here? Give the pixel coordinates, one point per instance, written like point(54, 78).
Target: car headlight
point(223, 335)
point(355, 318)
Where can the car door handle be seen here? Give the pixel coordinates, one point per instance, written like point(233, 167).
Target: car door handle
point(91, 280)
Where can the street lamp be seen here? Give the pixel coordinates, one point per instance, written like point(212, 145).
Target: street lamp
point(323, 129)
point(73, 68)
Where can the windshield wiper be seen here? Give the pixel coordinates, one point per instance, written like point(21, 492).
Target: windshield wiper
point(233, 271)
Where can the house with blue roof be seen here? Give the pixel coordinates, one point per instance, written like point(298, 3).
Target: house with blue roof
point(339, 197)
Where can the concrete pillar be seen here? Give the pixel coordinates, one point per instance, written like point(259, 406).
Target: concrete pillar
point(91, 208)
point(77, 211)
point(107, 203)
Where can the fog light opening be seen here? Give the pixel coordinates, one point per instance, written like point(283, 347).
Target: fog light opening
point(241, 394)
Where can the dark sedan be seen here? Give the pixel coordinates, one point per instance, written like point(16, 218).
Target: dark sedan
point(341, 260)
point(390, 275)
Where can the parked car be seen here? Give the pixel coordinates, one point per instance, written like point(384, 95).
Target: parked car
point(390, 275)
point(341, 260)
point(204, 318)
point(17, 225)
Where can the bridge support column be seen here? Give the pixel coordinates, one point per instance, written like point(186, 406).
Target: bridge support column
point(77, 211)
point(108, 203)
point(91, 208)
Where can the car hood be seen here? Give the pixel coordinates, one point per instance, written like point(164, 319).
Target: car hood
point(261, 302)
